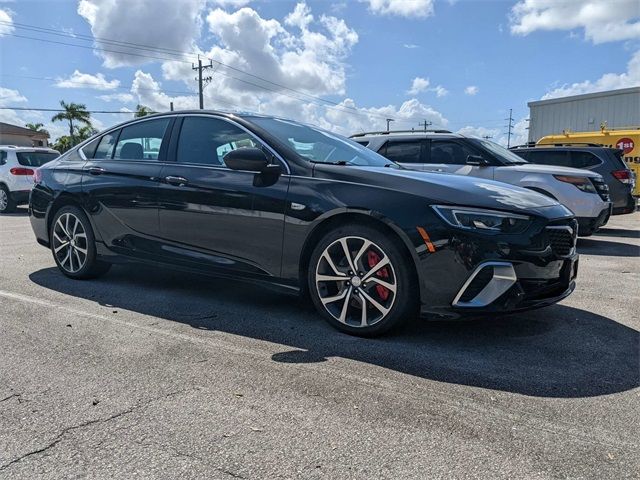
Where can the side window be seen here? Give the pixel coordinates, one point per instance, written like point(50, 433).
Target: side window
point(90, 148)
point(3, 157)
point(584, 160)
point(550, 157)
point(448, 152)
point(403, 152)
point(141, 141)
point(105, 145)
point(206, 140)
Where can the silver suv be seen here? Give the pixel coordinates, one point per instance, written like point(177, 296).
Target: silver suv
point(17, 165)
point(584, 192)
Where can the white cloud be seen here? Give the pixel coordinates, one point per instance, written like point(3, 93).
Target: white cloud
point(418, 85)
point(401, 8)
point(231, 3)
point(9, 96)
point(471, 90)
point(411, 45)
point(7, 26)
point(519, 133)
point(118, 97)
point(608, 81)
point(149, 92)
point(163, 24)
point(85, 80)
point(602, 20)
point(440, 91)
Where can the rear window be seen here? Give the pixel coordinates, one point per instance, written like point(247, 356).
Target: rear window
point(35, 159)
point(584, 160)
point(618, 158)
point(559, 158)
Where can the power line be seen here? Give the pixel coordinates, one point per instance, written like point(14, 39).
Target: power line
point(31, 109)
point(312, 98)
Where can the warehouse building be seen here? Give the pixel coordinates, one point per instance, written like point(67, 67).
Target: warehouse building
point(584, 113)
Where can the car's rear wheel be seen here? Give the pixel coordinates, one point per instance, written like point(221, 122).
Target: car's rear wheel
point(361, 281)
point(6, 204)
point(73, 245)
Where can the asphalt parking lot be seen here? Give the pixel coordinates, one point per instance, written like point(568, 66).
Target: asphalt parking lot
point(157, 374)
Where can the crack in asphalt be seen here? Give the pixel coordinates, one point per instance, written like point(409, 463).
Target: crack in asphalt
point(10, 397)
point(88, 423)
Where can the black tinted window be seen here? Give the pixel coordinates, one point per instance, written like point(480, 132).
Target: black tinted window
point(90, 148)
point(206, 141)
point(443, 151)
point(105, 147)
point(35, 159)
point(550, 157)
point(403, 152)
point(3, 157)
point(584, 160)
point(141, 141)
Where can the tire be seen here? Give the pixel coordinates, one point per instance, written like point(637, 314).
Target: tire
point(73, 245)
point(6, 204)
point(383, 280)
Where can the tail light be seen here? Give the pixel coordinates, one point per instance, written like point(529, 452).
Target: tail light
point(37, 176)
point(21, 171)
point(623, 175)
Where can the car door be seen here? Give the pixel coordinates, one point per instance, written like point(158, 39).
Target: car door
point(408, 153)
point(215, 217)
point(454, 156)
point(120, 184)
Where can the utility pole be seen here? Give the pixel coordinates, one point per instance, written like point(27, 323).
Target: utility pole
point(509, 127)
point(171, 106)
point(487, 137)
point(202, 82)
point(389, 120)
point(425, 124)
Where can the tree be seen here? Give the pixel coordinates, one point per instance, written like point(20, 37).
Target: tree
point(142, 111)
point(82, 133)
point(73, 112)
point(62, 144)
point(37, 127)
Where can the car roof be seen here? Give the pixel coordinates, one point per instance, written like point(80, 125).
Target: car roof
point(587, 148)
point(406, 135)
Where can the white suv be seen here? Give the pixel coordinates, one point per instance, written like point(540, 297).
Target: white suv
point(17, 165)
point(584, 192)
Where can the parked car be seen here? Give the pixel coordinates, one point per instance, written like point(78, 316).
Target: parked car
point(266, 199)
point(585, 193)
point(605, 161)
point(16, 173)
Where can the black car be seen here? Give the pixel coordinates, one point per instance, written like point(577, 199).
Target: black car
point(266, 199)
point(606, 161)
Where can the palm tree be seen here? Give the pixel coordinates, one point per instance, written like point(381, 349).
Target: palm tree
point(37, 127)
point(73, 112)
point(82, 133)
point(141, 111)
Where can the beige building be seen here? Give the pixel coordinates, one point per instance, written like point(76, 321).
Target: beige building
point(22, 137)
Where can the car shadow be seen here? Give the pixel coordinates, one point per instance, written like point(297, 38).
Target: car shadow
point(559, 351)
point(18, 212)
point(618, 232)
point(593, 246)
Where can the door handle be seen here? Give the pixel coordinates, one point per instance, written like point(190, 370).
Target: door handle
point(177, 181)
point(96, 170)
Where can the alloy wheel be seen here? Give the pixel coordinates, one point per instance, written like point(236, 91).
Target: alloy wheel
point(4, 200)
point(356, 281)
point(70, 242)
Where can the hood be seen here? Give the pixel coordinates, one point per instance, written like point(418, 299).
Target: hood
point(550, 169)
point(444, 188)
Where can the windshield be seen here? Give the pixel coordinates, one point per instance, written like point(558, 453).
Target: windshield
point(35, 159)
point(321, 146)
point(504, 155)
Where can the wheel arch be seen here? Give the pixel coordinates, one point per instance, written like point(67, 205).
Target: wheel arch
point(345, 216)
point(65, 199)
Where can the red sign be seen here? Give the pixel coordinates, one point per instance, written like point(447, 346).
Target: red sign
point(625, 144)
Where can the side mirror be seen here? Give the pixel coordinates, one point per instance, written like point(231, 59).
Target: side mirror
point(476, 160)
point(247, 158)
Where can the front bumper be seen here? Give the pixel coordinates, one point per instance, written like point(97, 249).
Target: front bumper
point(589, 225)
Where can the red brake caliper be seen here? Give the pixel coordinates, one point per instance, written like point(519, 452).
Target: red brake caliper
point(373, 259)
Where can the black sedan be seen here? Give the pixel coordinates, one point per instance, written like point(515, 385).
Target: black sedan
point(267, 199)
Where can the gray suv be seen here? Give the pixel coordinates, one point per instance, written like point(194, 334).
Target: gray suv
point(607, 162)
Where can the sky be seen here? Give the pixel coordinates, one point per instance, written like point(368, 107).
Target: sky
point(343, 65)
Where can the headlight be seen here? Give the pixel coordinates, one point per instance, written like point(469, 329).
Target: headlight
point(483, 220)
point(582, 183)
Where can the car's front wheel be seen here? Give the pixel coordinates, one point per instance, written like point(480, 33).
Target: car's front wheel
point(361, 281)
point(73, 245)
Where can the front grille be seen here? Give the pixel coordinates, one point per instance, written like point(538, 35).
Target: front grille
point(480, 281)
point(562, 238)
point(602, 188)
